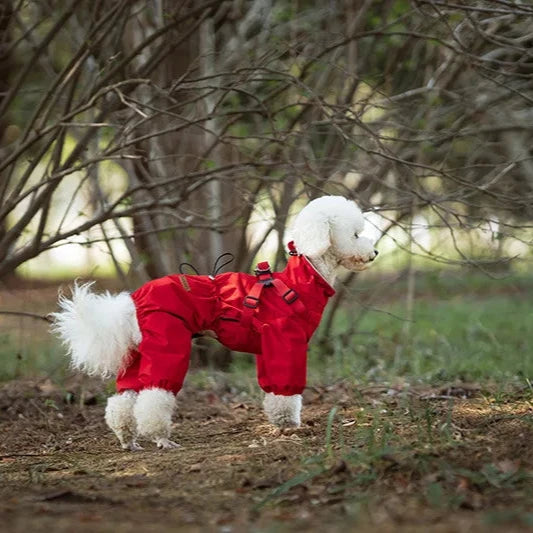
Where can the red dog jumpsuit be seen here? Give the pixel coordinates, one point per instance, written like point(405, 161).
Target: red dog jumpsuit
point(274, 326)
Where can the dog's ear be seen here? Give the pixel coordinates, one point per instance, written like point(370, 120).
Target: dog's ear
point(311, 233)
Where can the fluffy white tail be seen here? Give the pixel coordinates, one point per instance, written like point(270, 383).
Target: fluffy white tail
point(97, 329)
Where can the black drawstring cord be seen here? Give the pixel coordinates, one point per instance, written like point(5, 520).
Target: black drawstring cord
point(216, 267)
point(190, 266)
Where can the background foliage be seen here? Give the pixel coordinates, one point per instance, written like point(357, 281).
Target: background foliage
point(137, 135)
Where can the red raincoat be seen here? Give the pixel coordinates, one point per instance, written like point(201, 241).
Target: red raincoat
point(171, 309)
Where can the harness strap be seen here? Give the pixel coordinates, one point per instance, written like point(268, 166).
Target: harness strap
point(265, 279)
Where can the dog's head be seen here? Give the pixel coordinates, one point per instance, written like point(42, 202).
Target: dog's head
point(334, 224)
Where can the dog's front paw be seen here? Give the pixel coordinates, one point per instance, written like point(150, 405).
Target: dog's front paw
point(166, 444)
point(283, 411)
point(286, 423)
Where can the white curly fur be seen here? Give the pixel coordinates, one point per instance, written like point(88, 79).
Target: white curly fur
point(119, 417)
point(327, 231)
point(97, 329)
point(283, 411)
point(153, 414)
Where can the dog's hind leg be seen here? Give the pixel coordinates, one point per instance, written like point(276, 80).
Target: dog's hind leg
point(283, 411)
point(119, 417)
point(153, 415)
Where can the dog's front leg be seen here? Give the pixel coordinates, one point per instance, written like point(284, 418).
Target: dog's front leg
point(283, 411)
point(153, 415)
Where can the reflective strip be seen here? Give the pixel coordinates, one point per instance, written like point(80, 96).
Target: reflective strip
point(185, 283)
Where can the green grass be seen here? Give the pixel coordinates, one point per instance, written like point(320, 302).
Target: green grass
point(26, 357)
point(441, 283)
point(459, 338)
point(409, 446)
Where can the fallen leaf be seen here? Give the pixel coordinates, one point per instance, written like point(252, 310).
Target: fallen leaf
point(507, 466)
point(241, 406)
point(47, 387)
point(232, 458)
point(463, 484)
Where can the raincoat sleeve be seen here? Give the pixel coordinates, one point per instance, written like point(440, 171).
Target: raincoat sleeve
point(282, 364)
point(164, 351)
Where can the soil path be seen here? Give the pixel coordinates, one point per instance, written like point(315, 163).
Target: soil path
point(61, 469)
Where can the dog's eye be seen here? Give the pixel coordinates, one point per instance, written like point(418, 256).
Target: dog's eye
point(356, 235)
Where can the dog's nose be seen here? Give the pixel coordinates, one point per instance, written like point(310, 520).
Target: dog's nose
point(375, 255)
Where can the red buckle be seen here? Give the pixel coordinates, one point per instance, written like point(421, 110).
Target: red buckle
point(262, 268)
point(292, 248)
point(251, 302)
point(263, 273)
point(290, 296)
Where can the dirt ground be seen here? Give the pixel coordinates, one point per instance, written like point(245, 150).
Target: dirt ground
point(458, 461)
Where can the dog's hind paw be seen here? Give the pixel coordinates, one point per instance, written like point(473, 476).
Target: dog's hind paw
point(166, 444)
point(132, 446)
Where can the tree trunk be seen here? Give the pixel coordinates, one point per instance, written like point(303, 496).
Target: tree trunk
point(7, 133)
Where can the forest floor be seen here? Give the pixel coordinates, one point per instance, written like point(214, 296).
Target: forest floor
point(374, 458)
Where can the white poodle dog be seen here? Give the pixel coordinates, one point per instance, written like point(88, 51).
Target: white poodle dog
point(144, 338)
